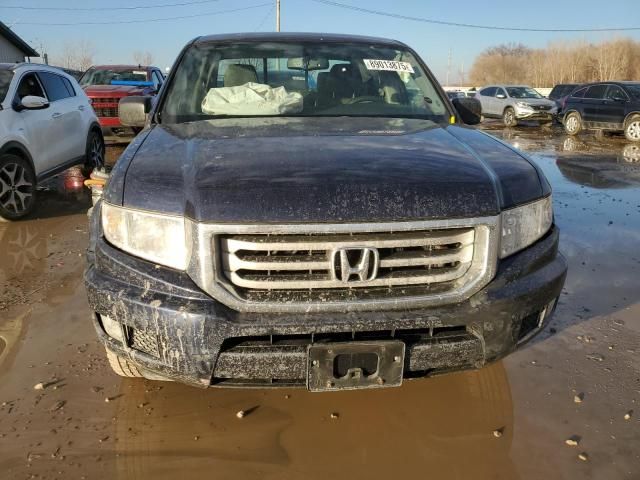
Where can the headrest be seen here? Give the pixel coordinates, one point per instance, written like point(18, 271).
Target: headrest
point(238, 74)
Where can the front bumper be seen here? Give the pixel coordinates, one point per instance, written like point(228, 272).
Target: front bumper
point(539, 115)
point(174, 330)
point(117, 134)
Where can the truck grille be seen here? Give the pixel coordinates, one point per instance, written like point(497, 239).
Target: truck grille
point(105, 107)
point(308, 262)
point(106, 111)
point(305, 268)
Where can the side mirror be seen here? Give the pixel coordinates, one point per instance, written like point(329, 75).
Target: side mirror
point(501, 96)
point(133, 111)
point(469, 109)
point(33, 102)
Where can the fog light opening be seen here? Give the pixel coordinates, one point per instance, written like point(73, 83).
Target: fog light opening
point(548, 310)
point(113, 328)
point(533, 323)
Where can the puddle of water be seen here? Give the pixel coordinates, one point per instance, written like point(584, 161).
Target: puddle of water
point(596, 194)
point(376, 433)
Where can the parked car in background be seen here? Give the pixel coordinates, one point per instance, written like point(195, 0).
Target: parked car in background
point(515, 102)
point(106, 85)
point(560, 92)
point(343, 236)
point(46, 126)
point(613, 106)
point(455, 94)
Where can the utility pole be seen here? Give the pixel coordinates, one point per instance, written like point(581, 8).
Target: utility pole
point(277, 15)
point(448, 67)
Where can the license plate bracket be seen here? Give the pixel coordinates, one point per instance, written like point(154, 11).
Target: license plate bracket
point(351, 365)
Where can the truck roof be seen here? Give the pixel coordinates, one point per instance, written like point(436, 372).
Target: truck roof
point(124, 67)
point(295, 37)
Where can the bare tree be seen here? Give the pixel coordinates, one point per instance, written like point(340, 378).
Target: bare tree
point(76, 55)
point(559, 62)
point(503, 63)
point(143, 58)
point(611, 59)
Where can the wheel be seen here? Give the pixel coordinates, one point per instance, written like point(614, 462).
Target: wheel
point(632, 129)
point(573, 123)
point(509, 117)
point(121, 366)
point(95, 151)
point(631, 153)
point(17, 187)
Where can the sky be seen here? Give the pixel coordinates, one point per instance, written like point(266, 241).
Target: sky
point(164, 39)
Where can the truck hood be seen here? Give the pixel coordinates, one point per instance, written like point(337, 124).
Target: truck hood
point(321, 170)
point(112, 90)
point(537, 101)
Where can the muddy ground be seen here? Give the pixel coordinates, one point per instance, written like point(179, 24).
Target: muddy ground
point(579, 379)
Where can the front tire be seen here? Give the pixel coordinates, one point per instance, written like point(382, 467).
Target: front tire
point(94, 156)
point(122, 367)
point(632, 129)
point(509, 118)
point(573, 123)
point(17, 187)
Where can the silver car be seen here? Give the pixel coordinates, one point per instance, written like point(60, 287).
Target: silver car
point(516, 102)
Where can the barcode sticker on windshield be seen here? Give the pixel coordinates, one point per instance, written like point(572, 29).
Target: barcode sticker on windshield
point(139, 72)
point(388, 65)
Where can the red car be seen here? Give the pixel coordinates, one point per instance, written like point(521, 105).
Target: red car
point(105, 85)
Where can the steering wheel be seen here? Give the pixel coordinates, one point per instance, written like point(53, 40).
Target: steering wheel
point(363, 99)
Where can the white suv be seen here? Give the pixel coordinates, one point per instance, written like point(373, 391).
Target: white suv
point(47, 125)
point(516, 102)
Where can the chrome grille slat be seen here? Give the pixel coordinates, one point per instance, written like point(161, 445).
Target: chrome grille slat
point(325, 242)
point(408, 259)
point(296, 282)
point(289, 262)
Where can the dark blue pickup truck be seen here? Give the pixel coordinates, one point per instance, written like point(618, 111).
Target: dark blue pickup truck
point(310, 209)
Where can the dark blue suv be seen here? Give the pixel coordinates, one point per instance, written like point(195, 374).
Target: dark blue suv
point(604, 106)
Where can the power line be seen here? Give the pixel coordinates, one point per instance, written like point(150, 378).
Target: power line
point(96, 9)
point(262, 22)
point(470, 25)
point(148, 20)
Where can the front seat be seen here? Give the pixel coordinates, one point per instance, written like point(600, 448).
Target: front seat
point(344, 82)
point(238, 74)
point(393, 88)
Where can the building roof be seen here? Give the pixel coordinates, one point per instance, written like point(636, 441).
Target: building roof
point(295, 37)
point(14, 39)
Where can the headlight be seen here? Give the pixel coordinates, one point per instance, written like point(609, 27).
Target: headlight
point(158, 238)
point(524, 225)
point(524, 105)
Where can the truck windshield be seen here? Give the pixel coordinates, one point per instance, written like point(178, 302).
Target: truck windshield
point(105, 76)
point(300, 79)
point(5, 80)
